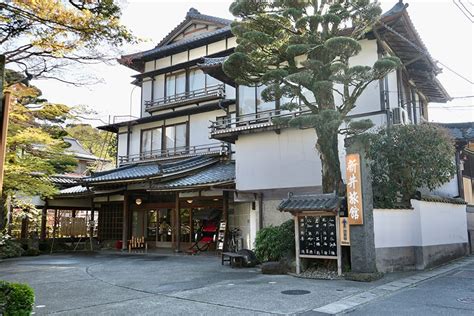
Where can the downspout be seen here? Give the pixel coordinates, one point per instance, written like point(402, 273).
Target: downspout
point(459, 171)
point(260, 211)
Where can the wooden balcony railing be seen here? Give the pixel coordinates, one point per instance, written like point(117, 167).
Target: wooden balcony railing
point(174, 153)
point(251, 121)
point(204, 94)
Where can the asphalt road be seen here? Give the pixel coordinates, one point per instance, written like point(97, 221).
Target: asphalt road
point(116, 284)
point(449, 294)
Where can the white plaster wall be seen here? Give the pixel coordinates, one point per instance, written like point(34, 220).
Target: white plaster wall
point(396, 228)
point(199, 127)
point(392, 90)
point(163, 62)
point(216, 47)
point(240, 218)
point(271, 215)
point(197, 52)
point(149, 66)
point(269, 160)
point(180, 58)
point(231, 42)
point(427, 224)
point(122, 145)
point(146, 92)
point(442, 223)
point(449, 189)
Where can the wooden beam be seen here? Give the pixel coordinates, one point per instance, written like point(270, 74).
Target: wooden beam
point(125, 221)
point(177, 224)
point(3, 136)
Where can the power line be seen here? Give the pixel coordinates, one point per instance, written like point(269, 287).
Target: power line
point(464, 11)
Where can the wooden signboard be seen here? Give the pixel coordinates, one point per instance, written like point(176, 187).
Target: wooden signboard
point(318, 236)
point(344, 231)
point(354, 190)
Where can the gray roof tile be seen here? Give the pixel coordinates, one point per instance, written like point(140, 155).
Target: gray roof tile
point(312, 202)
point(147, 170)
point(218, 173)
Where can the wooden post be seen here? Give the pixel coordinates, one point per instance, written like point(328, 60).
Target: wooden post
point(91, 220)
point(44, 220)
point(225, 206)
point(125, 221)
point(178, 224)
point(338, 244)
point(297, 245)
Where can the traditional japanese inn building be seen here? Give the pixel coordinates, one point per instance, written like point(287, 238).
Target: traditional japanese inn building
point(204, 143)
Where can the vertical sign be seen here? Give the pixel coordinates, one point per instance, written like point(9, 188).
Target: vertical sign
point(344, 231)
point(354, 190)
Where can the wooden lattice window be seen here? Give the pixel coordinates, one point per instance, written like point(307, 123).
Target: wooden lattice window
point(110, 222)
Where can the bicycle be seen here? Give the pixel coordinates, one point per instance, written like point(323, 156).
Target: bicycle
point(233, 244)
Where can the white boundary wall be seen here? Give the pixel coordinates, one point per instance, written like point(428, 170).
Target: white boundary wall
point(426, 235)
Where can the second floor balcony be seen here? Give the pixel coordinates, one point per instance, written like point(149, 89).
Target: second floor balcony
point(227, 129)
point(214, 149)
point(208, 93)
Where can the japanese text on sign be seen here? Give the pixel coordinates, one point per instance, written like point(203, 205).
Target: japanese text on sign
point(354, 190)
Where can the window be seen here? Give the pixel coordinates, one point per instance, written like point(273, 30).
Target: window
point(151, 140)
point(250, 100)
point(176, 136)
point(175, 83)
point(197, 80)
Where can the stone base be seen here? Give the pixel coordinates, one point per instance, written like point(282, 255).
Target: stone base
point(417, 257)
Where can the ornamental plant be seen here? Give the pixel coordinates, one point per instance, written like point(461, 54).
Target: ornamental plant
point(273, 243)
point(300, 50)
point(16, 299)
point(405, 158)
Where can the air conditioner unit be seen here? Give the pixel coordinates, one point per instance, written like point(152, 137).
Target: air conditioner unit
point(400, 116)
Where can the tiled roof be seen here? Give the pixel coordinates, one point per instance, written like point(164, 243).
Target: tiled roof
point(312, 202)
point(192, 14)
point(215, 174)
point(460, 131)
point(60, 179)
point(213, 62)
point(441, 199)
point(149, 170)
point(78, 189)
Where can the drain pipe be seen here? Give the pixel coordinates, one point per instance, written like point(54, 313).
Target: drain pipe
point(260, 211)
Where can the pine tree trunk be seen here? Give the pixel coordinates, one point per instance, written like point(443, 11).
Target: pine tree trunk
point(327, 146)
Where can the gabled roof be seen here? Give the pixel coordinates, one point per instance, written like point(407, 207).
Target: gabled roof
point(78, 150)
point(193, 15)
point(165, 47)
point(309, 203)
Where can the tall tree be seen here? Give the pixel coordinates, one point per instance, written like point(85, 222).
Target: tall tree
point(35, 146)
point(301, 49)
point(40, 38)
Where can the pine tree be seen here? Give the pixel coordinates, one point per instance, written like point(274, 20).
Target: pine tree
point(296, 47)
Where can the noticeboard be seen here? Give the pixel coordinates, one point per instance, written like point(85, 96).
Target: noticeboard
point(317, 236)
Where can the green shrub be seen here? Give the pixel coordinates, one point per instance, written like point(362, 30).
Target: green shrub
point(9, 248)
point(32, 252)
point(16, 299)
point(275, 242)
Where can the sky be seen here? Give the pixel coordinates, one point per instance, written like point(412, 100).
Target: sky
point(445, 30)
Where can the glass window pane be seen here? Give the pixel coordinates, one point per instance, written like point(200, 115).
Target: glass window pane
point(211, 81)
point(170, 137)
point(181, 83)
point(180, 135)
point(197, 80)
point(146, 141)
point(156, 139)
point(262, 105)
point(246, 100)
point(170, 86)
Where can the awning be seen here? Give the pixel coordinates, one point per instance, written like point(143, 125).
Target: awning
point(310, 203)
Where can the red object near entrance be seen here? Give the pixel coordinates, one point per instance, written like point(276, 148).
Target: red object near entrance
point(118, 244)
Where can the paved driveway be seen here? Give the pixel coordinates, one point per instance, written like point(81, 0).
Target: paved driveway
point(115, 284)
